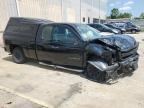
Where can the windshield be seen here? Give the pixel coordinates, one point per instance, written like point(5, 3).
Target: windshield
point(110, 26)
point(106, 27)
point(88, 33)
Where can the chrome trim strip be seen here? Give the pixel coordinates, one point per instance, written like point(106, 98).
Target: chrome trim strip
point(61, 67)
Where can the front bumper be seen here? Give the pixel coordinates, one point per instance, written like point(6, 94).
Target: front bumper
point(130, 64)
point(127, 66)
point(117, 69)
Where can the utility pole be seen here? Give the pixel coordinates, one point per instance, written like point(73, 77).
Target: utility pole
point(99, 11)
point(92, 11)
point(17, 7)
point(61, 10)
point(80, 11)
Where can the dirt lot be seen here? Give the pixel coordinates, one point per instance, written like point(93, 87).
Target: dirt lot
point(31, 85)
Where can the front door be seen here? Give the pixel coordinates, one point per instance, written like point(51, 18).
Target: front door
point(59, 44)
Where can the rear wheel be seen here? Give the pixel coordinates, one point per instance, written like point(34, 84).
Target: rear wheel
point(94, 74)
point(18, 55)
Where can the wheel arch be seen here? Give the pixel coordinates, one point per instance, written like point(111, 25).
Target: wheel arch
point(13, 46)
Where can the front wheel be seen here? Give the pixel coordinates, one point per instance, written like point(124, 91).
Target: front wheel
point(133, 31)
point(94, 74)
point(122, 32)
point(18, 55)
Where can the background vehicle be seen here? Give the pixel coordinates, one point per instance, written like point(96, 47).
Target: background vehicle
point(103, 28)
point(75, 47)
point(122, 30)
point(128, 26)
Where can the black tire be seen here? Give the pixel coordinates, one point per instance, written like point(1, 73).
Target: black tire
point(94, 74)
point(18, 56)
point(133, 31)
point(122, 32)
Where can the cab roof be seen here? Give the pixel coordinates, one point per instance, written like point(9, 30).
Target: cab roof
point(28, 20)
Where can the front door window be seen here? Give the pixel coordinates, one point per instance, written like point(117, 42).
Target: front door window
point(63, 35)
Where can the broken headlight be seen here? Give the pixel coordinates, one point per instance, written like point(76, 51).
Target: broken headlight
point(107, 56)
point(110, 56)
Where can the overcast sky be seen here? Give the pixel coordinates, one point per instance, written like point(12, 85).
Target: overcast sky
point(133, 6)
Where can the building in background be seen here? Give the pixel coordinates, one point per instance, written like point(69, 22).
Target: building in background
point(78, 11)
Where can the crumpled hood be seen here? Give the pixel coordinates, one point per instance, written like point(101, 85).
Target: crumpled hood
point(123, 42)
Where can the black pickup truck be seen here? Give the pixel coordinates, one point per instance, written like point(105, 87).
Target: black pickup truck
point(75, 47)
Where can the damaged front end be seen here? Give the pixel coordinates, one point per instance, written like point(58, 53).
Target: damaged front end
point(116, 70)
point(121, 58)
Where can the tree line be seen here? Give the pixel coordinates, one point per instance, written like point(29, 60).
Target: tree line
point(116, 14)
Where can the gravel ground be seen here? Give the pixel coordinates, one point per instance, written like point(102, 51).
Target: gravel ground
point(32, 85)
